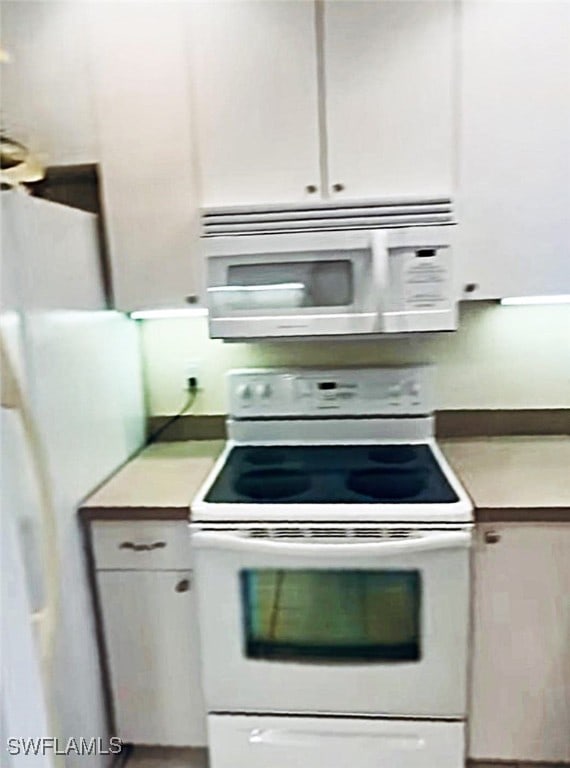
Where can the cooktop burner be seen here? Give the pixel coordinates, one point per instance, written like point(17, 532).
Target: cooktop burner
point(272, 484)
point(331, 474)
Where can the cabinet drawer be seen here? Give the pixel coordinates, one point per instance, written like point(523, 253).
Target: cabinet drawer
point(145, 545)
point(281, 742)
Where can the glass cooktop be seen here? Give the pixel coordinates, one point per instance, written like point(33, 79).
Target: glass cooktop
point(331, 474)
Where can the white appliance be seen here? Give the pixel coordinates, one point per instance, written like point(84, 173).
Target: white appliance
point(23, 709)
point(332, 554)
point(329, 271)
point(72, 412)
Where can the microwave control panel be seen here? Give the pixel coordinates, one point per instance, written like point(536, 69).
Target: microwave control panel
point(345, 392)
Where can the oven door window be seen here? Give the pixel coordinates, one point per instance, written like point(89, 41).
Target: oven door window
point(332, 615)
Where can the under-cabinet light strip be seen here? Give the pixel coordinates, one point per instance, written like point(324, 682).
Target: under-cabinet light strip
point(521, 300)
point(163, 314)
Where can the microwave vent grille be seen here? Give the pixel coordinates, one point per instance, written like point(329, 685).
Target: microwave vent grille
point(327, 216)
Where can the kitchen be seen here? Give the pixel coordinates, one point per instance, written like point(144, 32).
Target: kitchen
point(185, 126)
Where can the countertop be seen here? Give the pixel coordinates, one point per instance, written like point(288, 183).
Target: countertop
point(508, 479)
point(159, 482)
point(514, 478)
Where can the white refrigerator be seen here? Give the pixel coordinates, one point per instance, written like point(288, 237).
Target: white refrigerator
point(72, 412)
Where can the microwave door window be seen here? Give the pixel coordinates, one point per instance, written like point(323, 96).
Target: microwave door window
point(332, 616)
point(331, 284)
point(317, 284)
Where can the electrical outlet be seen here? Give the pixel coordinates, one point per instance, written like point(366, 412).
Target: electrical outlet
point(193, 375)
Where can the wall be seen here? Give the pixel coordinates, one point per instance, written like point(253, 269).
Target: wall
point(502, 357)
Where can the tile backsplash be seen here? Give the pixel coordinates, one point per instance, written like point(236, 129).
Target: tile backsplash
point(501, 357)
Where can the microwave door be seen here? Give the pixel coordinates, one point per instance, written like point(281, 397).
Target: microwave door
point(308, 292)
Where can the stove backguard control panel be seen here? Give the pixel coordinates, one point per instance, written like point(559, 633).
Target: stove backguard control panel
point(312, 392)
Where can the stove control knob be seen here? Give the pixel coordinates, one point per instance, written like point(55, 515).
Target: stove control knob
point(395, 391)
point(414, 389)
point(263, 390)
point(244, 392)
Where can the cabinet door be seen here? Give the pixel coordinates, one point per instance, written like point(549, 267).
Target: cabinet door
point(255, 83)
point(521, 668)
point(151, 638)
point(46, 96)
point(514, 214)
point(142, 99)
point(389, 70)
point(53, 253)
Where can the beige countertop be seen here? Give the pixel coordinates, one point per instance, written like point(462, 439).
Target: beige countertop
point(514, 478)
point(159, 482)
point(508, 479)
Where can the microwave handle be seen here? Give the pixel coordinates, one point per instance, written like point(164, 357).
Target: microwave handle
point(426, 542)
point(258, 288)
point(380, 274)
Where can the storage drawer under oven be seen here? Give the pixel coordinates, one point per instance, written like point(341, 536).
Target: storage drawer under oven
point(283, 742)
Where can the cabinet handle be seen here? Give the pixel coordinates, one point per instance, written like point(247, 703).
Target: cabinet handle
point(142, 547)
point(183, 585)
point(337, 187)
point(192, 299)
point(471, 287)
point(310, 188)
point(492, 537)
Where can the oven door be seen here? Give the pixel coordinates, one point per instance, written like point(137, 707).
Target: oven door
point(295, 285)
point(371, 625)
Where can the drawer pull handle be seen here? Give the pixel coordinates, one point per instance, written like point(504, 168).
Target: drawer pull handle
point(492, 537)
point(183, 585)
point(142, 547)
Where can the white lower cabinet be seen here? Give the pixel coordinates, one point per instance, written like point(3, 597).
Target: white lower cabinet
point(323, 742)
point(521, 668)
point(151, 637)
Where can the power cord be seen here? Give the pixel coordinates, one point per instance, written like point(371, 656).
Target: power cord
point(193, 394)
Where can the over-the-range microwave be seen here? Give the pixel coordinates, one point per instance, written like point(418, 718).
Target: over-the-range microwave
point(333, 283)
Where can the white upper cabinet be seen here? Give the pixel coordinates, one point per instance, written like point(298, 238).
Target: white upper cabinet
point(46, 95)
point(390, 70)
point(142, 99)
point(255, 86)
point(514, 233)
point(298, 101)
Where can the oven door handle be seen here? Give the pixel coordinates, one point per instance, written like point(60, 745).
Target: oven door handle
point(426, 542)
point(310, 737)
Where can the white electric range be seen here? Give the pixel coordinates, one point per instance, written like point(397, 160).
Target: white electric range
point(332, 558)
